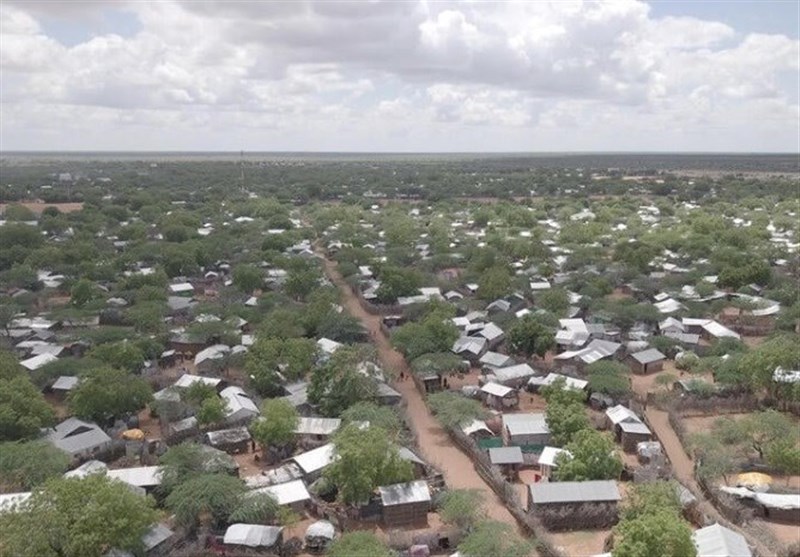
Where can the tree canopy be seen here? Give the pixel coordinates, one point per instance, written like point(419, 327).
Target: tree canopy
point(529, 336)
point(490, 539)
point(105, 393)
point(277, 423)
point(359, 544)
point(24, 465)
point(592, 456)
point(454, 410)
point(78, 517)
point(367, 459)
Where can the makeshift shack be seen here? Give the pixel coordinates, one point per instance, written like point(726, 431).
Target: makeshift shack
point(575, 505)
point(405, 503)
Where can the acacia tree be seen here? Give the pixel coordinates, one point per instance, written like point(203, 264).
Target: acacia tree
point(78, 517)
point(25, 465)
point(277, 423)
point(590, 455)
point(529, 336)
point(463, 508)
point(104, 393)
point(23, 410)
point(359, 544)
point(206, 497)
point(366, 459)
point(338, 385)
point(490, 538)
point(454, 410)
point(661, 533)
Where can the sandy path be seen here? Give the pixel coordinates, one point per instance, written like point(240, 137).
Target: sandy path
point(433, 441)
point(683, 470)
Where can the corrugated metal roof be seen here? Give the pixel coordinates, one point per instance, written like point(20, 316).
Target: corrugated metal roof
point(496, 389)
point(287, 493)
point(620, 413)
point(505, 455)
point(252, 535)
point(718, 541)
point(317, 426)
point(525, 424)
point(648, 356)
point(140, 476)
point(316, 459)
point(574, 492)
point(404, 493)
point(549, 454)
point(511, 373)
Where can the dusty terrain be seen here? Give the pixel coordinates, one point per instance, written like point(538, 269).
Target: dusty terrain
point(434, 443)
point(39, 206)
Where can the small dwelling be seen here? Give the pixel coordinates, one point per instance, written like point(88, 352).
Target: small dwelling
point(547, 460)
point(571, 505)
point(254, 537)
point(79, 439)
point(718, 541)
point(319, 535)
point(499, 396)
point(405, 503)
point(240, 407)
point(291, 494)
point(508, 459)
point(315, 430)
point(232, 441)
point(628, 429)
point(646, 361)
point(525, 430)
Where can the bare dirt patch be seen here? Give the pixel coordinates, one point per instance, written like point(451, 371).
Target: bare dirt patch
point(580, 542)
point(39, 206)
point(433, 441)
point(787, 534)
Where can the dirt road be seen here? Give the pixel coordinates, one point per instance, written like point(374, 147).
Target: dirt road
point(433, 441)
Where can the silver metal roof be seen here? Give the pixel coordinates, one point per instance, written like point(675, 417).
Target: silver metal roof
point(718, 541)
point(404, 493)
point(543, 493)
point(506, 455)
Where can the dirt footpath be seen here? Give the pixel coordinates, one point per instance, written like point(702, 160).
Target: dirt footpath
point(433, 441)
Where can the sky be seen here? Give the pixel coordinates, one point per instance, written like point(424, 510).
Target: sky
point(400, 76)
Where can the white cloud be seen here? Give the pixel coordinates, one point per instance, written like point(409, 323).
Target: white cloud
point(372, 75)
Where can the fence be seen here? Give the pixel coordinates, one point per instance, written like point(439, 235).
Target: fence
point(506, 492)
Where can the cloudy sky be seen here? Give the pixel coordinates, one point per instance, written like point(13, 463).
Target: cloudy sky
point(400, 75)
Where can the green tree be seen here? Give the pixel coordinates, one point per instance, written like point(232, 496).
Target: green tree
point(758, 431)
point(367, 459)
point(432, 335)
point(359, 544)
point(23, 410)
point(759, 364)
point(554, 300)
point(277, 423)
point(396, 282)
point(247, 278)
point(384, 417)
point(105, 393)
point(651, 497)
point(196, 393)
point(338, 385)
point(454, 410)
point(212, 411)
point(462, 508)
point(528, 336)
point(82, 292)
point(300, 282)
point(121, 355)
point(713, 459)
point(212, 496)
point(783, 455)
point(608, 377)
point(256, 508)
point(490, 539)
point(494, 283)
point(592, 457)
point(658, 534)
point(24, 465)
point(188, 460)
point(78, 517)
